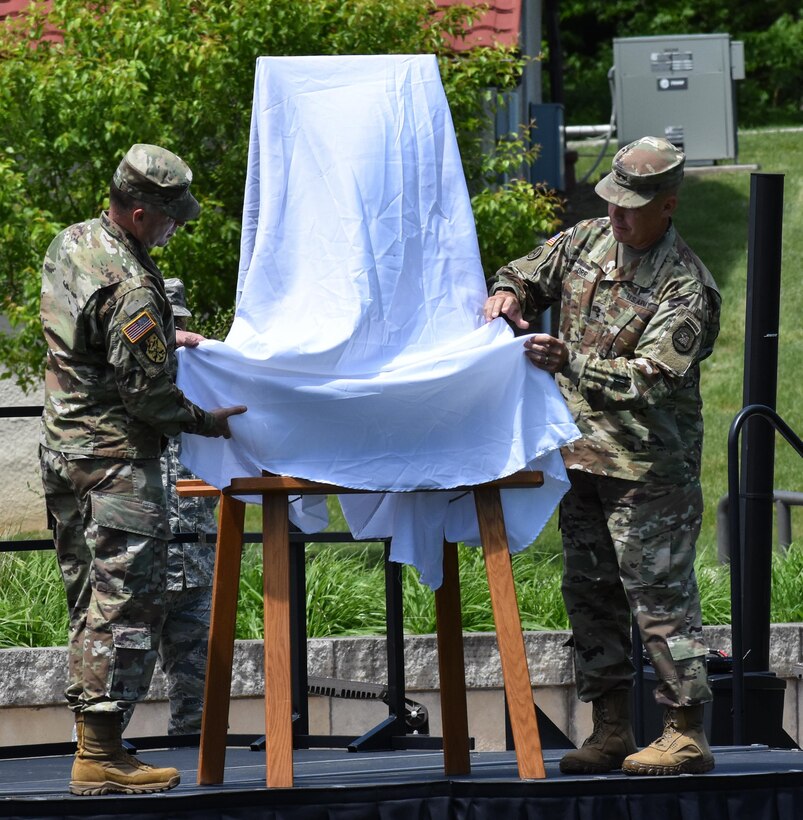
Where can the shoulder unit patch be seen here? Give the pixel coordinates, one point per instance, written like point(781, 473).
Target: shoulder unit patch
point(155, 349)
point(684, 337)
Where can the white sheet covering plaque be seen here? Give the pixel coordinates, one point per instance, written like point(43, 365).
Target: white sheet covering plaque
point(358, 343)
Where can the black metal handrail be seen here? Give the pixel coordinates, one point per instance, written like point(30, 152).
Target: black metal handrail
point(21, 411)
point(324, 537)
point(734, 537)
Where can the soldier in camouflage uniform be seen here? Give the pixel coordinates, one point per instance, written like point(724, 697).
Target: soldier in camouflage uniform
point(188, 604)
point(190, 570)
point(638, 313)
point(110, 398)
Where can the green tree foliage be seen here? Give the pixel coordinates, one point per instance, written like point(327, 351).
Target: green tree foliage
point(512, 209)
point(181, 75)
point(772, 32)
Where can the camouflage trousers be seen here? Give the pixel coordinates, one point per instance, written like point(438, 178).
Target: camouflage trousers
point(110, 530)
point(188, 598)
point(629, 552)
point(182, 656)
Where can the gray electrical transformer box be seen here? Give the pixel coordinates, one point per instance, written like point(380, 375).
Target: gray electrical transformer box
point(679, 87)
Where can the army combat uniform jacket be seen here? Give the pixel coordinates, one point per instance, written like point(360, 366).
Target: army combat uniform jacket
point(109, 383)
point(636, 334)
point(110, 401)
point(636, 331)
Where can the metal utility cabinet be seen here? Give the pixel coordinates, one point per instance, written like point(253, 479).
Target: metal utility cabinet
point(679, 87)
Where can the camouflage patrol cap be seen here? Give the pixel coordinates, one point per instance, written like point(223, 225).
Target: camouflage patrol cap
point(175, 294)
point(157, 176)
point(642, 170)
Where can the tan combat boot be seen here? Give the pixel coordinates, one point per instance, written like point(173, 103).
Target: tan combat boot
point(681, 749)
point(102, 766)
point(611, 740)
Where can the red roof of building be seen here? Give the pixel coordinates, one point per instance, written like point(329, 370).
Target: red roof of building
point(500, 25)
point(12, 9)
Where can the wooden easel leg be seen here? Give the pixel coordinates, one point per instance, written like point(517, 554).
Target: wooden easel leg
point(452, 670)
point(278, 684)
point(217, 689)
point(508, 631)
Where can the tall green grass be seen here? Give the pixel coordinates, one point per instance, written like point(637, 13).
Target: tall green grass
point(346, 593)
point(33, 609)
point(345, 590)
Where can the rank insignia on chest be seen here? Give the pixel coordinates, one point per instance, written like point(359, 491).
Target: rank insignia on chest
point(138, 327)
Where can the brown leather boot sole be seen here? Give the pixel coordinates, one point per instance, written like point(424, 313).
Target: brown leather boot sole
point(686, 767)
point(110, 787)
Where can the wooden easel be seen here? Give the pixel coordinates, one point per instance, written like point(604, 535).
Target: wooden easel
point(274, 491)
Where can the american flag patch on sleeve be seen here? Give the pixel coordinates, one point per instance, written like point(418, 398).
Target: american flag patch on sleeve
point(138, 327)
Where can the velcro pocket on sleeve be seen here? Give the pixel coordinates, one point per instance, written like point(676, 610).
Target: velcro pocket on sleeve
point(142, 335)
point(680, 342)
point(130, 514)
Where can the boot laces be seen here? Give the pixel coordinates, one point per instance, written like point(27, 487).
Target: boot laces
point(600, 720)
point(670, 732)
point(134, 762)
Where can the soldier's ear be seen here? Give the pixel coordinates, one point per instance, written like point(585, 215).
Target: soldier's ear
point(669, 205)
point(137, 215)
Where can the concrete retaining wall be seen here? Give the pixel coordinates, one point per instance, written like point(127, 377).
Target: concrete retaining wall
point(32, 682)
point(23, 508)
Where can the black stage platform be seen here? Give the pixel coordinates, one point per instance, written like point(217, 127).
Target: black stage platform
point(749, 783)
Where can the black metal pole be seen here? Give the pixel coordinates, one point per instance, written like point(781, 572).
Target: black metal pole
point(395, 633)
point(556, 58)
point(760, 385)
point(735, 540)
point(734, 537)
point(298, 638)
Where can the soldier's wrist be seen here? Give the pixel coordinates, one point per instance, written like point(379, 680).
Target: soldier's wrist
point(574, 366)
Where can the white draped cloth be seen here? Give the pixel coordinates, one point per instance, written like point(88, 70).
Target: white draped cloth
point(358, 343)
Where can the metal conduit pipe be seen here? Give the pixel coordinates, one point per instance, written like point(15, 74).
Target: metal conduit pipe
point(585, 131)
point(784, 500)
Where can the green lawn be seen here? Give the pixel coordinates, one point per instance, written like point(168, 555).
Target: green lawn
point(713, 218)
